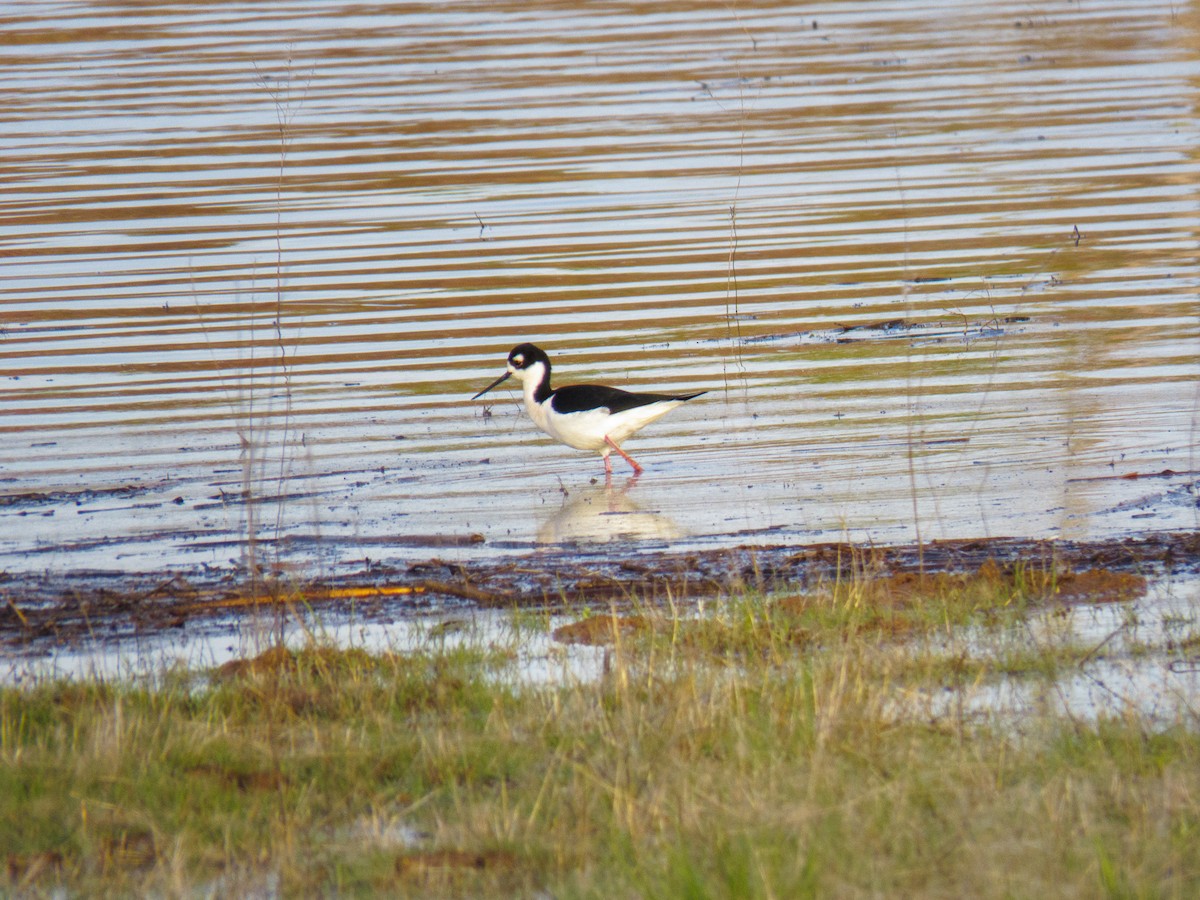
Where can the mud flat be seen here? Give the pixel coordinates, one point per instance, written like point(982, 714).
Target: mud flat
point(41, 613)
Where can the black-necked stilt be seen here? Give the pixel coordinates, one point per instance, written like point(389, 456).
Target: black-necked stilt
point(584, 416)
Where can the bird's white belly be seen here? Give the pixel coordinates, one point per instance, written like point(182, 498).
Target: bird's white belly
point(587, 430)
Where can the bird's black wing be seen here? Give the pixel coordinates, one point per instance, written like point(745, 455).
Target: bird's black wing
point(583, 397)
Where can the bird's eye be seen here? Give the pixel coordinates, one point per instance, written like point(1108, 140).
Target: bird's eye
point(518, 360)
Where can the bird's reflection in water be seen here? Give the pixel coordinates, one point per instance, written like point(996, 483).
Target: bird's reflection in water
point(600, 513)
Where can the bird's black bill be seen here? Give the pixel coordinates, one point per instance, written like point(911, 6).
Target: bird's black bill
point(492, 385)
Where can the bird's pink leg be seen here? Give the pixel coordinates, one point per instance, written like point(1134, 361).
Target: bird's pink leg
point(637, 470)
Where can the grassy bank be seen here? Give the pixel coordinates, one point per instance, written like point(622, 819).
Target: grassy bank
point(812, 745)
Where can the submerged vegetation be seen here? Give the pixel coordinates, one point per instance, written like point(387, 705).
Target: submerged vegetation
point(815, 743)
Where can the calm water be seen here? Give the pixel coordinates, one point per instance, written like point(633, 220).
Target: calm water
point(935, 262)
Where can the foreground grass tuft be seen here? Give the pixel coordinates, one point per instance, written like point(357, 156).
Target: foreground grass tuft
point(763, 749)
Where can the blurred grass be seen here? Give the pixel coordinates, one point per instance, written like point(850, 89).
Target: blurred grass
point(761, 749)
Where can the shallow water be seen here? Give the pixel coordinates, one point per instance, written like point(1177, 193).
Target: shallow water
point(934, 262)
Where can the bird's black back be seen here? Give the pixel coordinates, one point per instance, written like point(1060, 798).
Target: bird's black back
point(583, 397)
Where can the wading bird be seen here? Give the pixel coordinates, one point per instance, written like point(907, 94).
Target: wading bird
point(584, 416)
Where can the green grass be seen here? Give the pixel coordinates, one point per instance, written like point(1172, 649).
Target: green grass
point(756, 751)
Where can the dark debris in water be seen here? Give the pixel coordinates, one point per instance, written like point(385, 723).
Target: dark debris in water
point(35, 499)
point(39, 613)
point(892, 329)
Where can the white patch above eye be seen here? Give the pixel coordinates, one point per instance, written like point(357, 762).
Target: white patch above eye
point(518, 360)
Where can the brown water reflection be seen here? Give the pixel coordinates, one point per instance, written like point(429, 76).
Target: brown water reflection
point(936, 264)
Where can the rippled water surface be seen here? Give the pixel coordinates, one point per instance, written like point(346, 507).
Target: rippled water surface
point(934, 262)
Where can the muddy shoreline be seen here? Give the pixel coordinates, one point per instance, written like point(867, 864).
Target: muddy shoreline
point(40, 613)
